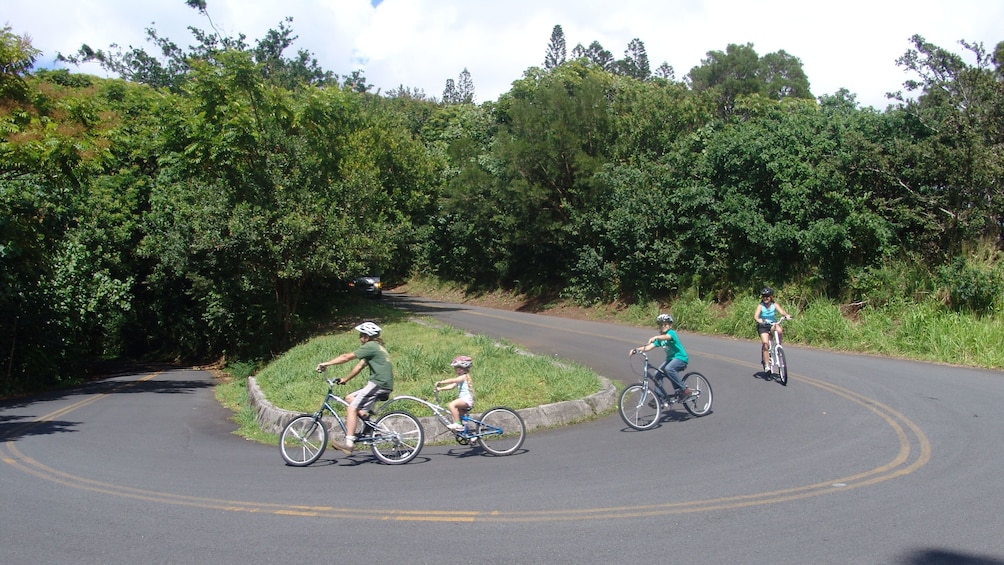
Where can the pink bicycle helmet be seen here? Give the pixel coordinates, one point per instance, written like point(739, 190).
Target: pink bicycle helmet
point(461, 361)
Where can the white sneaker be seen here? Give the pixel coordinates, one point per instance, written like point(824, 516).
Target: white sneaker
point(456, 427)
point(345, 447)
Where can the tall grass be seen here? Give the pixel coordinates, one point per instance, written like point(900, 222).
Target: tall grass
point(927, 330)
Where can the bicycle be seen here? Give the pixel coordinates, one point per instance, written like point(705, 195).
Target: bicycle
point(641, 404)
point(776, 354)
point(499, 431)
point(394, 437)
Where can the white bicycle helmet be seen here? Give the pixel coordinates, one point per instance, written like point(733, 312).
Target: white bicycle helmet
point(461, 361)
point(664, 319)
point(368, 328)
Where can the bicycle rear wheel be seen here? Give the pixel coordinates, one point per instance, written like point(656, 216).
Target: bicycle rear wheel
point(639, 407)
point(501, 431)
point(701, 397)
point(782, 367)
point(398, 438)
point(303, 440)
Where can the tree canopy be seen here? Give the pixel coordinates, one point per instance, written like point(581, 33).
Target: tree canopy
point(210, 202)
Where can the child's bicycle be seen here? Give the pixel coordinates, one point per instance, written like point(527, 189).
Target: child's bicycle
point(641, 404)
point(499, 431)
point(394, 437)
point(778, 364)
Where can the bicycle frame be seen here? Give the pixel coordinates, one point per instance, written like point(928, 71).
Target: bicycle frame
point(445, 417)
point(775, 343)
point(648, 377)
point(367, 422)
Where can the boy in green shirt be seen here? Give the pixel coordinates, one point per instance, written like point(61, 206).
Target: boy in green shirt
point(676, 356)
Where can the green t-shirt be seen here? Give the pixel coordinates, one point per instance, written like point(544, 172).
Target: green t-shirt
point(378, 360)
point(673, 348)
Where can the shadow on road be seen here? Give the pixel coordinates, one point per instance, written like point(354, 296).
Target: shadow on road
point(15, 428)
point(946, 557)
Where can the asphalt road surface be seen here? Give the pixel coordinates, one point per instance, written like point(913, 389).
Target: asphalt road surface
point(859, 459)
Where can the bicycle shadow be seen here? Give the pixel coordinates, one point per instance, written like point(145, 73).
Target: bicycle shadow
point(767, 377)
point(668, 416)
point(362, 457)
point(463, 452)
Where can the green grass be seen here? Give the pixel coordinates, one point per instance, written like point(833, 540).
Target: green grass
point(925, 331)
point(421, 354)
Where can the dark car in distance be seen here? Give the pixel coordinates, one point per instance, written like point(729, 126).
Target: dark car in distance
point(367, 286)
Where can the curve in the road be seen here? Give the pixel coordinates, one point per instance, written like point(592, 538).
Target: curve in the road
point(914, 452)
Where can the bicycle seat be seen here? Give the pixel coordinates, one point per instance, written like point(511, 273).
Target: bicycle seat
point(383, 396)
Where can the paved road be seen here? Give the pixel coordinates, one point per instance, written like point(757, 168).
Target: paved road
point(859, 460)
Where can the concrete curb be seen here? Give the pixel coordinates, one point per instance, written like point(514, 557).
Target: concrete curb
point(273, 420)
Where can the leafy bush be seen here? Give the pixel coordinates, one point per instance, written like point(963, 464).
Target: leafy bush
point(971, 286)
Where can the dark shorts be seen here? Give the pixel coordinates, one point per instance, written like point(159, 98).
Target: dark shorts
point(763, 328)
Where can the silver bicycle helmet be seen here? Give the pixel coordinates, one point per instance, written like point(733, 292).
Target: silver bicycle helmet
point(664, 319)
point(461, 361)
point(368, 328)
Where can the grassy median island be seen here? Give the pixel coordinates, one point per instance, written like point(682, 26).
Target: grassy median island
point(421, 353)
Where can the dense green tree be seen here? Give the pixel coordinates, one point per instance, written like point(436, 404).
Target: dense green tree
point(651, 117)
point(556, 50)
point(635, 61)
point(265, 194)
point(595, 54)
point(66, 233)
point(172, 67)
point(460, 91)
point(739, 71)
point(17, 55)
point(554, 134)
point(783, 76)
point(957, 160)
point(450, 95)
point(665, 71)
point(465, 87)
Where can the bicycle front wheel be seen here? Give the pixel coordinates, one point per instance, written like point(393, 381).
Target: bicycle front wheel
point(501, 431)
point(701, 397)
point(782, 367)
point(398, 438)
point(639, 407)
point(303, 440)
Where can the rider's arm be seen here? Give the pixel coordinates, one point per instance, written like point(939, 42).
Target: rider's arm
point(343, 358)
point(355, 370)
point(450, 383)
point(782, 312)
point(647, 347)
point(756, 315)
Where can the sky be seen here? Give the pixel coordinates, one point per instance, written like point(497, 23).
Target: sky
point(420, 44)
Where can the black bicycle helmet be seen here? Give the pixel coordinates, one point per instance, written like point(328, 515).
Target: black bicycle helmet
point(767, 291)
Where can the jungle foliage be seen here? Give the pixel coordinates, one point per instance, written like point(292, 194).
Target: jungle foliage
point(211, 202)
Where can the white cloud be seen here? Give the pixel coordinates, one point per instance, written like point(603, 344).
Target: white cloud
point(422, 43)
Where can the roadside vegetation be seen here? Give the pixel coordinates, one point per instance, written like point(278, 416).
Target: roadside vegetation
point(924, 329)
point(210, 203)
